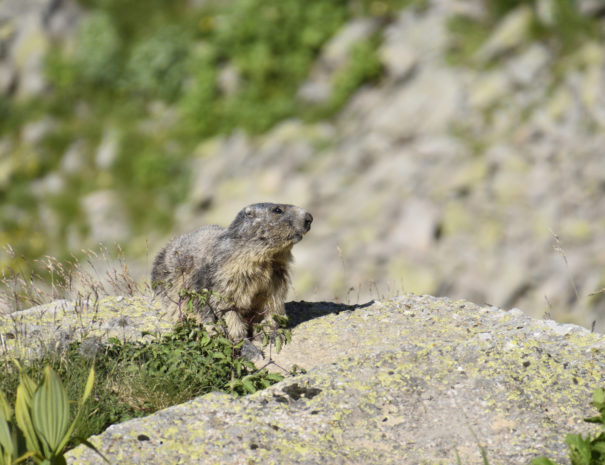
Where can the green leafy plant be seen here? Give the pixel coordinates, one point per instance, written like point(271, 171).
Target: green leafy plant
point(97, 55)
point(40, 429)
point(274, 333)
point(157, 64)
point(589, 450)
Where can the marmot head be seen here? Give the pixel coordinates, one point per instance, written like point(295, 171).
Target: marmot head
point(276, 226)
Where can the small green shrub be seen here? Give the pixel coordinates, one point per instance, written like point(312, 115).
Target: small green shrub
point(156, 67)
point(97, 58)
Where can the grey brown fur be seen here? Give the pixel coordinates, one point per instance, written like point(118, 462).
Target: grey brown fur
point(245, 266)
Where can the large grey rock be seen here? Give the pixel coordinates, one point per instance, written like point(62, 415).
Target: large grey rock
point(406, 381)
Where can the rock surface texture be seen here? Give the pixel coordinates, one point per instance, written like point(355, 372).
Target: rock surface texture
point(411, 380)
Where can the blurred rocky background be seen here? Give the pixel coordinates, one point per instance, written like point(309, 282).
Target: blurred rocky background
point(445, 147)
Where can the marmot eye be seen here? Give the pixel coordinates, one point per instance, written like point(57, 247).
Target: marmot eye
point(277, 210)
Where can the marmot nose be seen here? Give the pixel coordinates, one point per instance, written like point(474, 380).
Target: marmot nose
point(308, 221)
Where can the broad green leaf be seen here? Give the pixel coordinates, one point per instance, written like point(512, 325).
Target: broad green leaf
point(23, 403)
point(23, 417)
point(5, 458)
point(6, 441)
point(248, 386)
point(87, 390)
point(274, 377)
point(89, 384)
point(579, 449)
point(4, 407)
point(50, 410)
point(28, 384)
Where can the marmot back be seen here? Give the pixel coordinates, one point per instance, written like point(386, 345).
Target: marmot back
point(244, 266)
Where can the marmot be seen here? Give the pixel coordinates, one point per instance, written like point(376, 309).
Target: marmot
point(245, 267)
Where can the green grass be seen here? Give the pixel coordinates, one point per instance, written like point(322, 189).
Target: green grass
point(135, 379)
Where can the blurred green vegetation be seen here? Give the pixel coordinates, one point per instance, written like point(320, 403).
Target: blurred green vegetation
point(150, 71)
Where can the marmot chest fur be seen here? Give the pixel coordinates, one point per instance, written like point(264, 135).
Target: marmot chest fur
point(244, 266)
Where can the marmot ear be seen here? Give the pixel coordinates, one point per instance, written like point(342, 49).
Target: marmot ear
point(249, 212)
